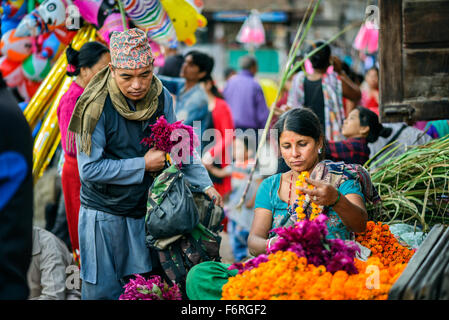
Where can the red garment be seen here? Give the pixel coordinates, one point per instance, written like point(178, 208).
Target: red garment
point(71, 186)
point(370, 102)
point(64, 112)
point(223, 122)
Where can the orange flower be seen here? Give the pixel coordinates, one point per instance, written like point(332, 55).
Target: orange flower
point(285, 276)
point(383, 244)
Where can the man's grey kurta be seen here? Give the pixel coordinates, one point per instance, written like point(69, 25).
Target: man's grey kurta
point(113, 246)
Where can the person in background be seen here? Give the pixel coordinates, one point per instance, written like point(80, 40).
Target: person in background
point(403, 135)
point(348, 104)
point(359, 128)
point(173, 61)
point(191, 99)
point(112, 116)
point(245, 97)
point(47, 275)
point(370, 90)
point(437, 128)
point(229, 73)
point(222, 122)
point(84, 64)
point(240, 219)
point(16, 197)
point(323, 92)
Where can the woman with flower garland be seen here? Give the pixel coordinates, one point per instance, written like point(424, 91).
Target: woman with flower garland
point(337, 190)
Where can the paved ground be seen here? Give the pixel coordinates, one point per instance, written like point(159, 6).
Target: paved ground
point(225, 249)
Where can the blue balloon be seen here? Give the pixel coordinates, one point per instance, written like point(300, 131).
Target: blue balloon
point(23, 105)
point(36, 129)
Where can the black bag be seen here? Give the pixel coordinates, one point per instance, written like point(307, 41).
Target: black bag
point(171, 209)
point(178, 254)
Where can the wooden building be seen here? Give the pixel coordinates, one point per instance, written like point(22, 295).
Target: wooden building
point(414, 60)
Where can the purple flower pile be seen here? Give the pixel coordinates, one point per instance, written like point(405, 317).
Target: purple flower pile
point(165, 136)
point(152, 289)
point(307, 238)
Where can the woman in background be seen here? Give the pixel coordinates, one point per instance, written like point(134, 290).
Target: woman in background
point(84, 64)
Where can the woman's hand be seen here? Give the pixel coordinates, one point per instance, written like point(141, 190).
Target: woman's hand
point(323, 194)
point(350, 208)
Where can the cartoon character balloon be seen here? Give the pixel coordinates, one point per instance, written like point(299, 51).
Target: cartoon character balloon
point(14, 47)
point(46, 17)
point(13, 12)
point(36, 67)
point(159, 59)
point(198, 4)
point(112, 23)
point(151, 17)
point(185, 19)
point(11, 72)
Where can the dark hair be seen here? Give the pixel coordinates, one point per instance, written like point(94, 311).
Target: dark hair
point(376, 129)
point(228, 71)
point(320, 60)
point(89, 54)
point(203, 61)
point(302, 121)
point(247, 62)
point(213, 89)
point(372, 68)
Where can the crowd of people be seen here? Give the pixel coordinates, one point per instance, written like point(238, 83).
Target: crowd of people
point(323, 118)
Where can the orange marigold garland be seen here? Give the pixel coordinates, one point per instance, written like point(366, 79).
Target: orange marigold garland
point(316, 209)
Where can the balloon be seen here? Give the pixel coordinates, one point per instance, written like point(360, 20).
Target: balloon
point(28, 88)
point(50, 46)
point(96, 12)
point(13, 12)
point(23, 105)
point(36, 68)
point(47, 16)
point(111, 24)
point(270, 89)
point(15, 48)
point(197, 4)
point(159, 59)
point(64, 35)
point(185, 19)
point(11, 72)
point(151, 17)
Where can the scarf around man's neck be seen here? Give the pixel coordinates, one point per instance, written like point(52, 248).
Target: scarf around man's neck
point(90, 104)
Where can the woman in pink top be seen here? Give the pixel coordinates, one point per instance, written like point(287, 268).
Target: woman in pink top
point(84, 64)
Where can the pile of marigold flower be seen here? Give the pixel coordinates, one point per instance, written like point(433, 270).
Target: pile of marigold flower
point(383, 244)
point(285, 276)
point(304, 265)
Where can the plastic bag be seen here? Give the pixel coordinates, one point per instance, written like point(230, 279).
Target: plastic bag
point(252, 31)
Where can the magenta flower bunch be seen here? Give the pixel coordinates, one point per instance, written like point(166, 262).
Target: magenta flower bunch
point(150, 289)
point(307, 238)
point(166, 136)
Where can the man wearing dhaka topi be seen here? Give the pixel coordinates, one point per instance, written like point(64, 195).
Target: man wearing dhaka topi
point(111, 118)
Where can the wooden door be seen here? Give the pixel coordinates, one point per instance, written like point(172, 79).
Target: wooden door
point(414, 60)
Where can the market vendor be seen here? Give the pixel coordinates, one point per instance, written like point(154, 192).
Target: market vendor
point(340, 189)
point(110, 119)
